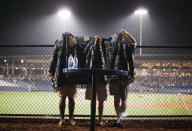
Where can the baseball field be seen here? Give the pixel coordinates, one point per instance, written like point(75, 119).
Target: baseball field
point(46, 103)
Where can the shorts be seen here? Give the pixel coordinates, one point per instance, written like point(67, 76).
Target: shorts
point(67, 90)
point(101, 92)
point(119, 88)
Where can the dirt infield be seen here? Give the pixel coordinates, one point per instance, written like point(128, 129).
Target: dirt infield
point(130, 125)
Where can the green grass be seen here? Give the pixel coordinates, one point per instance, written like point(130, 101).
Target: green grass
point(46, 103)
point(190, 99)
point(153, 98)
point(152, 111)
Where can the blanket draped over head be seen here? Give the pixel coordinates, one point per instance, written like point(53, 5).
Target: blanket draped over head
point(115, 52)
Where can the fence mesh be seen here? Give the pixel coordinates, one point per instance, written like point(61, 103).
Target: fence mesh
point(162, 86)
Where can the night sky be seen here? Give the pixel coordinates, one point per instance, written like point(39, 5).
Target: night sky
point(168, 22)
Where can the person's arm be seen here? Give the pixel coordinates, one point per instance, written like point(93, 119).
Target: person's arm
point(130, 62)
point(53, 64)
point(130, 52)
point(130, 38)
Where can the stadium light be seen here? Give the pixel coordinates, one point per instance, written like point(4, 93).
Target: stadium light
point(64, 13)
point(5, 60)
point(141, 12)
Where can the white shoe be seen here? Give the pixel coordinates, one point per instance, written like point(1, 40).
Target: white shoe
point(119, 123)
point(72, 122)
point(123, 114)
point(102, 123)
point(62, 122)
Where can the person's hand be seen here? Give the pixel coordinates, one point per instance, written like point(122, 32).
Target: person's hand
point(130, 79)
point(52, 76)
point(97, 37)
point(53, 80)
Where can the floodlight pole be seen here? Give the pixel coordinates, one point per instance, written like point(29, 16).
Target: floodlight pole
point(140, 51)
point(65, 14)
point(140, 12)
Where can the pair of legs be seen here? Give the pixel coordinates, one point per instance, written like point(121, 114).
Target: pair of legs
point(62, 104)
point(119, 90)
point(65, 92)
point(101, 94)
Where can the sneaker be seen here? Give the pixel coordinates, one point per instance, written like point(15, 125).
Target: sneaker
point(62, 122)
point(119, 123)
point(72, 122)
point(123, 114)
point(102, 123)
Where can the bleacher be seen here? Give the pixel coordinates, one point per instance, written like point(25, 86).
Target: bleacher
point(25, 85)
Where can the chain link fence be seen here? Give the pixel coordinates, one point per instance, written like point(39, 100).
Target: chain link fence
point(162, 86)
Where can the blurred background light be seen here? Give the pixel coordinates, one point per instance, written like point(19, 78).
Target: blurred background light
point(64, 13)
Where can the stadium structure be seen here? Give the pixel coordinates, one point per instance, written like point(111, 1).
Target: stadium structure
point(162, 70)
point(162, 85)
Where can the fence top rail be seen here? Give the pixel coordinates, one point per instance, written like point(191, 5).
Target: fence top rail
point(136, 46)
point(164, 46)
point(26, 45)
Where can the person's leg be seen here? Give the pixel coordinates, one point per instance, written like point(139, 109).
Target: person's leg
point(88, 92)
point(117, 104)
point(100, 109)
point(101, 96)
point(123, 98)
point(62, 109)
point(71, 107)
point(122, 108)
